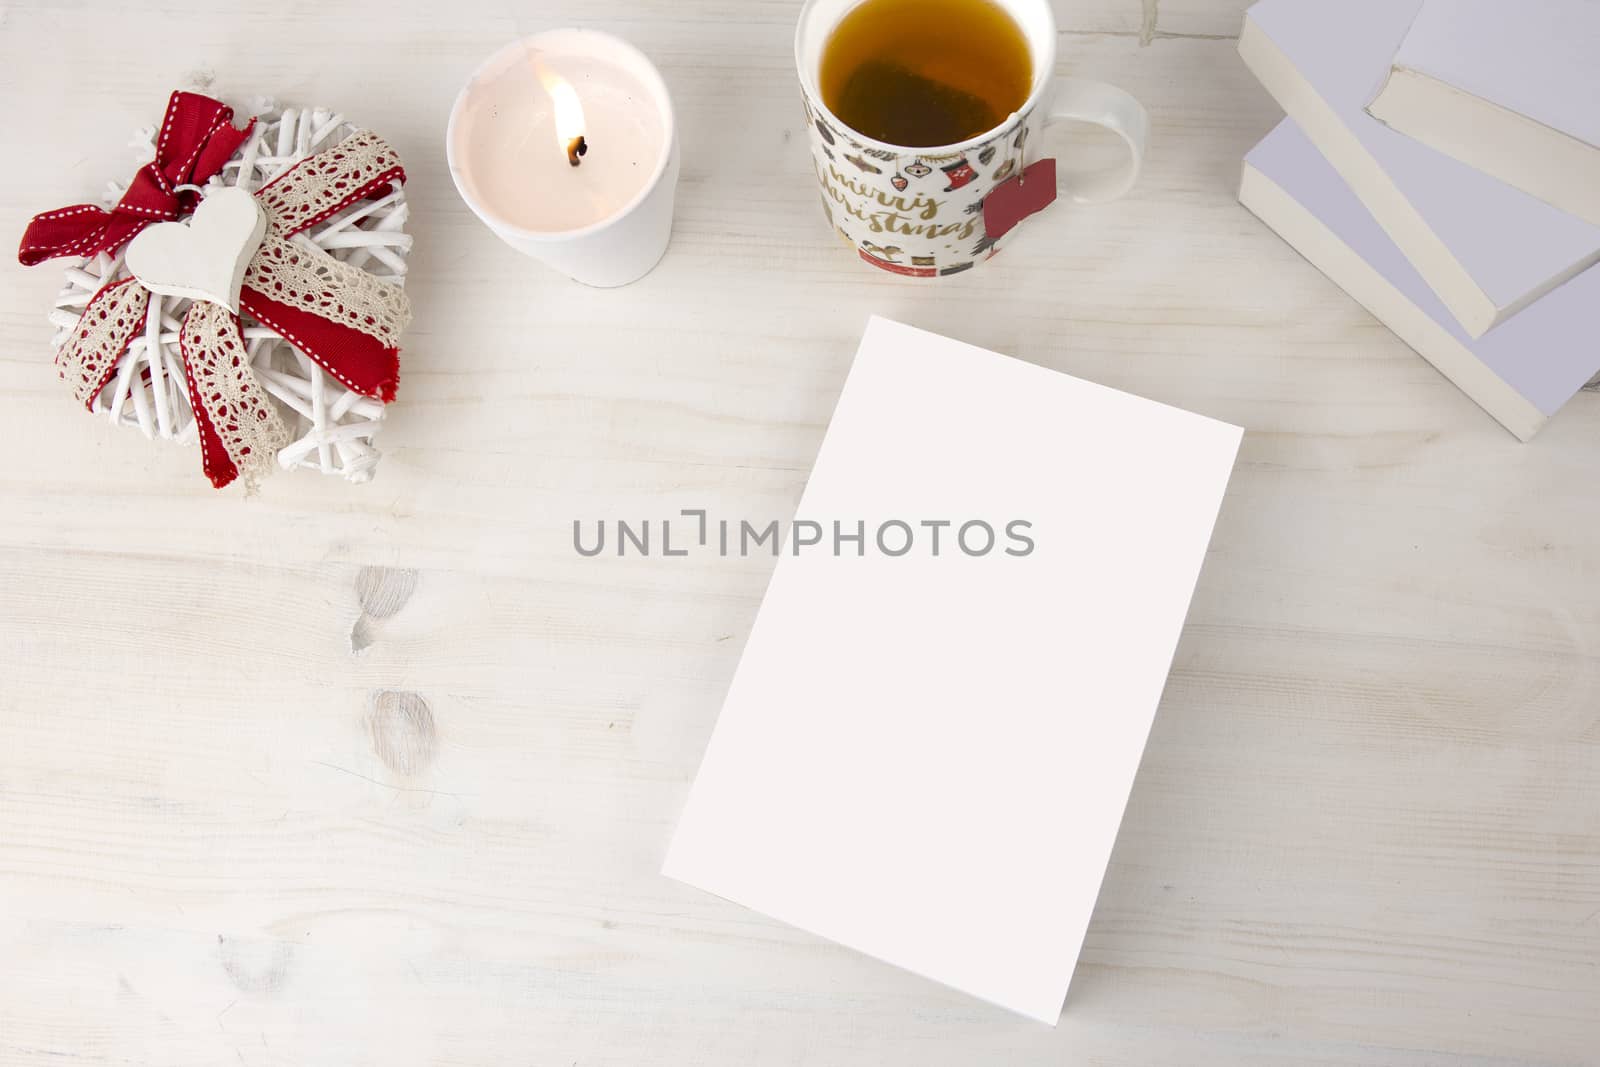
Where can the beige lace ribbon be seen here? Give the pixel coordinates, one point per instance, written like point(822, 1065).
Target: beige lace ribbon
point(110, 321)
point(307, 278)
point(303, 276)
point(322, 184)
point(222, 384)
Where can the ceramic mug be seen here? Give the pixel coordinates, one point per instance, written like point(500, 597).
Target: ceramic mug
point(920, 211)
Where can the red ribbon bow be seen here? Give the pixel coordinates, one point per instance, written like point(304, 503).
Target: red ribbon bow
point(197, 137)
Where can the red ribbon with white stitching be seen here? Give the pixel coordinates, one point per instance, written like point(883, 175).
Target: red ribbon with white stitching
point(197, 137)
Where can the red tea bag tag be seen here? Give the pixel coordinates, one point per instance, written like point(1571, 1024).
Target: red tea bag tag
point(1016, 198)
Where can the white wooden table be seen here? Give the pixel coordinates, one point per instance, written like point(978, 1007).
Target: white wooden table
point(383, 775)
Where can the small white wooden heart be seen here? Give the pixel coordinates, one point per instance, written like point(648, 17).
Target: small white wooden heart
point(205, 259)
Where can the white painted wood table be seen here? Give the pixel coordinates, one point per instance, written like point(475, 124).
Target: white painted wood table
point(383, 774)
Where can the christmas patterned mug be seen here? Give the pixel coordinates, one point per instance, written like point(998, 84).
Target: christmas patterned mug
point(927, 212)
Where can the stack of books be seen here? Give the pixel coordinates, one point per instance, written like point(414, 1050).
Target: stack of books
point(1440, 162)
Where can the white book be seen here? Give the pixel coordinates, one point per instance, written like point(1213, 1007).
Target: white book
point(1512, 89)
point(1487, 249)
point(925, 756)
point(1521, 372)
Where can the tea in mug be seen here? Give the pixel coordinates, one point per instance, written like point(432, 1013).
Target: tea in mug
point(923, 73)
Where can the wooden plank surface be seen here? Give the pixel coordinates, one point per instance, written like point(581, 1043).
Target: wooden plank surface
point(384, 774)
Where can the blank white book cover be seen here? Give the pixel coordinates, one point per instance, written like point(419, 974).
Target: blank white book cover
point(926, 756)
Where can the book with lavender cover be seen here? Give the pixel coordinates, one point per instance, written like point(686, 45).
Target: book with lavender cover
point(1487, 249)
point(1522, 372)
point(1511, 89)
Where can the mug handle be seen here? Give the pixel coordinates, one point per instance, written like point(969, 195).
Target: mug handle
point(1082, 100)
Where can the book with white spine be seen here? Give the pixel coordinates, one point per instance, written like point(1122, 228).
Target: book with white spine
point(1512, 90)
point(1487, 249)
point(1521, 373)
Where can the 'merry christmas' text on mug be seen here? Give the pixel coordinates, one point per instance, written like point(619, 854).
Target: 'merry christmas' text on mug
point(926, 212)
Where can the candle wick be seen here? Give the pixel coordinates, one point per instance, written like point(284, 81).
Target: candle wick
point(575, 148)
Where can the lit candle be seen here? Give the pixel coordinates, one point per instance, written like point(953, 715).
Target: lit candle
point(564, 145)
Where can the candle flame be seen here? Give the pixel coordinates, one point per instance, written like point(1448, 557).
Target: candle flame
point(568, 109)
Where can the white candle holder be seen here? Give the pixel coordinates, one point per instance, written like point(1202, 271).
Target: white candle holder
point(622, 245)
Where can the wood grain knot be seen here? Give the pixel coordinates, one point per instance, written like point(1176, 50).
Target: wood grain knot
point(255, 966)
point(382, 591)
point(402, 729)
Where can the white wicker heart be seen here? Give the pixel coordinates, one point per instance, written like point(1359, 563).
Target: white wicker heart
point(331, 428)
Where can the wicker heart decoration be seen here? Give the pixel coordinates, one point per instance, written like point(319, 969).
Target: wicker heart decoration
point(300, 374)
point(205, 259)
